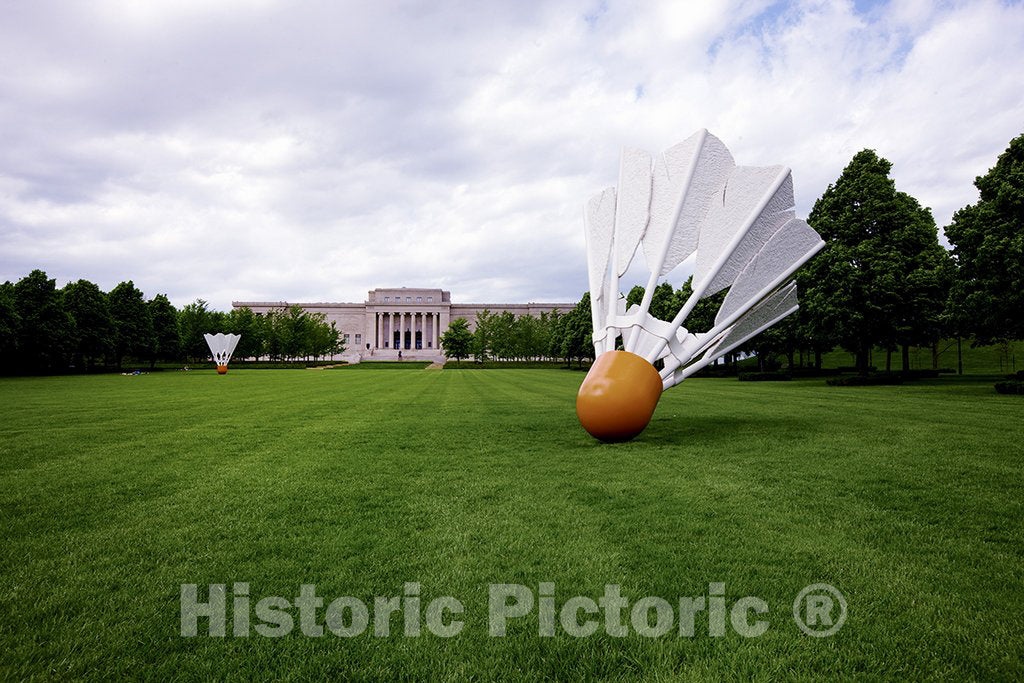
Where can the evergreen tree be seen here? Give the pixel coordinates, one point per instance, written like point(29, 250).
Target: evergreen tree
point(988, 246)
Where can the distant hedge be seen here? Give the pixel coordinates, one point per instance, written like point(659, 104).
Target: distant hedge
point(233, 365)
point(919, 374)
point(384, 365)
point(511, 365)
point(764, 377)
point(813, 372)
point(880, 379)
point(1010, 386)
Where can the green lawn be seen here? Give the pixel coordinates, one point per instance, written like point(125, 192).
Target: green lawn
point(115, 491)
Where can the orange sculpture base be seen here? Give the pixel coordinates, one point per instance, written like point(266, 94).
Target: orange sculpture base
point(222, 369)
point(618, 396)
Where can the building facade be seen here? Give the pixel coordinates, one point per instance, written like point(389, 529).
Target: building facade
point(400, 319)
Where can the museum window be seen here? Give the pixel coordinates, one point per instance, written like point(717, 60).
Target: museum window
point(419, 299)
point(408, 299)
point(387, 299)
point(359, 339)
point(344, 338)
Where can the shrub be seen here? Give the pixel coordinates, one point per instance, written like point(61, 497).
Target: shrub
point(385, 365)
point(919, 374)
point(514, 365)
point(720, 370)
point(242, 364)
point(1010, 386)
point(814, 372)
point(764, 377)
point(884, 378)
point(854, 368)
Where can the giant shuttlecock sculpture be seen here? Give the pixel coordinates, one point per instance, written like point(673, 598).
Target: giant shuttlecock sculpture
point(693, 200)
point(222, 346)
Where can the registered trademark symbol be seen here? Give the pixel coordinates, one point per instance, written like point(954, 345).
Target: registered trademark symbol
point(819, 610)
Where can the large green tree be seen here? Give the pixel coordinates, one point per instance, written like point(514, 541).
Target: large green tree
point(987, 296)
point(503, 336)
point(483, 336)
point(546, 325)
point(578, 332)
point(87, 304)
point(10, 324)
point(133, 326)
point(923, 269)
point(46, 331)
point(194, 321)
point(242, 321)
point(876, 282)
point(702, 317)
point(294, 327)
point(457, 340)
point(166, 335)
point(663, 301)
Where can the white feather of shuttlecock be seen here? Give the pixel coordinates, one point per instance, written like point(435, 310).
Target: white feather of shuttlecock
point(737, 221)
point(222, 346)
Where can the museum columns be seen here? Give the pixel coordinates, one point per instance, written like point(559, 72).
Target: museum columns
point(381, 329)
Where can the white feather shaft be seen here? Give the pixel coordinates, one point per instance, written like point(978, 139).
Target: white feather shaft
point(652, 280)
point(701, 287)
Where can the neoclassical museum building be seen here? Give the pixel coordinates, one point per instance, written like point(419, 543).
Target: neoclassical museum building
point(396, 319)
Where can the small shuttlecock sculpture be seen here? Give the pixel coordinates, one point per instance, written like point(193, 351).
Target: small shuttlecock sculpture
point(222, 346)
point(692, 200)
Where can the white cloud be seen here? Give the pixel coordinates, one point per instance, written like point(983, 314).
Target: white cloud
point(313, 151)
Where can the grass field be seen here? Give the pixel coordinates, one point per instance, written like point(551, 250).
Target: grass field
point(116, 490)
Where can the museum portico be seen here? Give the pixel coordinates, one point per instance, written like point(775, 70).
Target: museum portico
point(399, 319)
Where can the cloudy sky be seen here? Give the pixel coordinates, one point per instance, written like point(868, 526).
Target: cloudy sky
point(310, 151)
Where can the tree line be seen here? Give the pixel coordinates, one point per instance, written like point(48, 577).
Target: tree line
point(80, 327)
point(507, 337)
